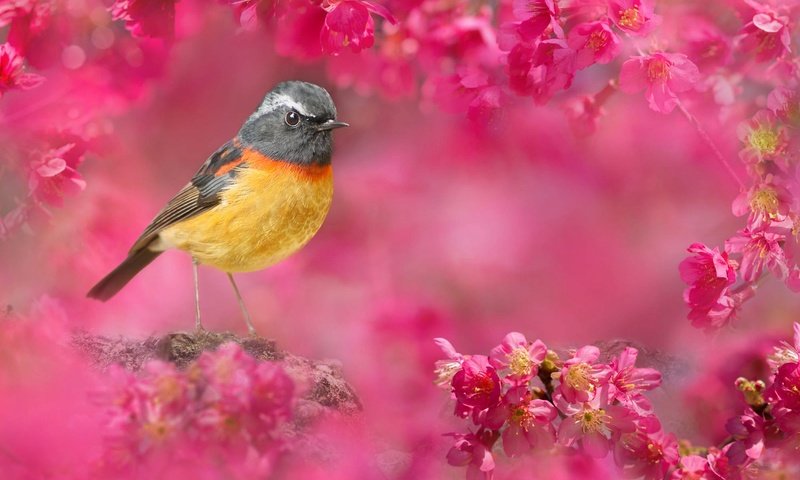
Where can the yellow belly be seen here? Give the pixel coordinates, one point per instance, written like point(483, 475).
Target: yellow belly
point(266, 216)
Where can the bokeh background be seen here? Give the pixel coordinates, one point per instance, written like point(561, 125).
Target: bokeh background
point(439, 228)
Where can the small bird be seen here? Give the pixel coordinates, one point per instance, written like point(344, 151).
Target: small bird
point(256, 200)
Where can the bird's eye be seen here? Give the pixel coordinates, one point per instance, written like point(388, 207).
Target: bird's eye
point(292, 118)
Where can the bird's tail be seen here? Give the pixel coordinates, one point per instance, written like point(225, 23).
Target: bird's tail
point(120, 276)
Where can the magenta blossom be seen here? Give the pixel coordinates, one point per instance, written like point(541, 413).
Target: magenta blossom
point(593, 424)
point(767, 36)
point(349, 25)
point(784, 103)
point(54, 175)
point(748, 433)
point(764, 138)
point(581, 377)
point(646, 456)
point(693, 467)
point(765, 202)
point(786, 353)
point(593, 42)
point(635, 17)
point(12, 71)
point(476, 387)
point(535, 16)
point(552, 70)
point(785, 389)
point(628, 382)
point(529, 420)
point(445, 369)
point(473, 450)
point(759, 250)
point(708, 273)
point(521, 358)
point(662, 75)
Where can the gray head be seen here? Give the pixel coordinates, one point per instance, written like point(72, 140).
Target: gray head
point(293, 124)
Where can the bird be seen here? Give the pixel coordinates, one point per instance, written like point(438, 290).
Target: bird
point(255, 201)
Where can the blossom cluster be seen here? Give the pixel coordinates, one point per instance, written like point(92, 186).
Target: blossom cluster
point(532, 401)
point(223, 413)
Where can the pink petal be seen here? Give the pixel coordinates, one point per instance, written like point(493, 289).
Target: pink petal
point(514, 441)
point(766, 23)
point(595, 445)
point(631, 76)
point(52, 167)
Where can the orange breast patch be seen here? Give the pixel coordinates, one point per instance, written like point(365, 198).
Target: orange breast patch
point(262, 162)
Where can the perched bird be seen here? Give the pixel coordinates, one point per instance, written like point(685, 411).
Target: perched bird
point(256, 200)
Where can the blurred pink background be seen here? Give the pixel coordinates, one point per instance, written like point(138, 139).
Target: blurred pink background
point(437, 229)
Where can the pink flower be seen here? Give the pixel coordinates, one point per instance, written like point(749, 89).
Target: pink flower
point(476, 387)
point(54, 175)
point(529, 421)
point(592, 424)
point(767, 36)
point(748, 433)
point(786, 353)
point(12, 71)
point(446, 369)
point(759, 250)
point(635, 17)
point(146, 18)
point(628, 382)
point(473, 450)
point(271, 396)
point(580, 377)
point(662, 75)
point(521, 358)
point(708, 273)
point(646, 456)
point(721, 312)
point(693, 467)
point(765, 202)
point(784, 103)
point(763, 138)
point(593, 42)
point(348, 24)
point(553, 69)
point(706, 45)
point(535, 16)
point(785, 389)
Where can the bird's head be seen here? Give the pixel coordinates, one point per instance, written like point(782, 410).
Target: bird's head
point(293, 124)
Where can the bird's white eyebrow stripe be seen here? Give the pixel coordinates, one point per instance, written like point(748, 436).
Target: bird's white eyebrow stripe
point(276, 100)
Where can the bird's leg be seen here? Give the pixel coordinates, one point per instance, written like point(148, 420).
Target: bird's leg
point(249, 323)
point(198, 327)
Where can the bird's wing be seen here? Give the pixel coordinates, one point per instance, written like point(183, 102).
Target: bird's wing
point(201, 194)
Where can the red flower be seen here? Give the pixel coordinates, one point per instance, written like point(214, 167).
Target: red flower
point(12, 73)
point(476, 387)
point(350, 25)
point(662, 75)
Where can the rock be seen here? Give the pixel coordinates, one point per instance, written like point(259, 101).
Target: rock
point(321, 382)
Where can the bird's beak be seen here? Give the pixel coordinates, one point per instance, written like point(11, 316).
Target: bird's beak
point(331, 124)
